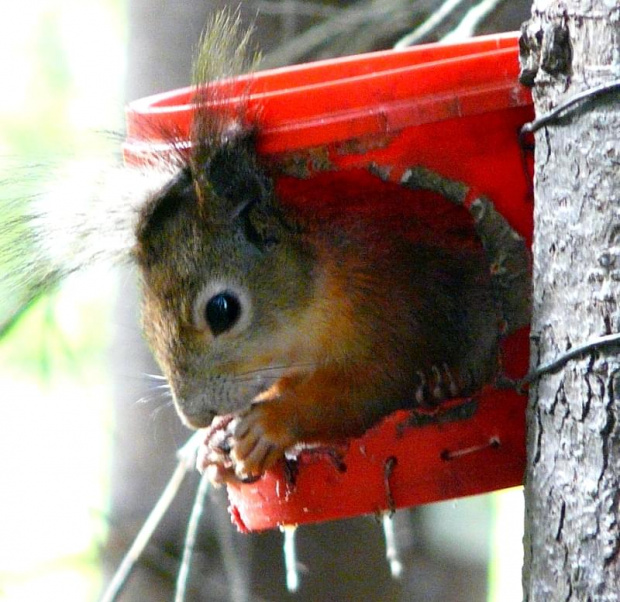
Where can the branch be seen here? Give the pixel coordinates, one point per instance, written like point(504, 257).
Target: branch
point(186, 463)
point(471, 21)
point(347, 20)
point(434, 21)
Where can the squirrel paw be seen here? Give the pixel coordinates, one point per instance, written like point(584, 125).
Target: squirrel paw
point(259, 440)
point(240, 448)
point(213, 457)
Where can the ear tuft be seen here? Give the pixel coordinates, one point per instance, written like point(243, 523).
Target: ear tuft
point(220, 115)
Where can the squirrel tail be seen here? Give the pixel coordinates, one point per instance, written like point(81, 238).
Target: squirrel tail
point(86, 213)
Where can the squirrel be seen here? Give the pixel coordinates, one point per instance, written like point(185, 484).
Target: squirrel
point(278, 326)
point(292, 329)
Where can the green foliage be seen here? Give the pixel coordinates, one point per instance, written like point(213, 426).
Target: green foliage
point(61, 64)
point(60, 334)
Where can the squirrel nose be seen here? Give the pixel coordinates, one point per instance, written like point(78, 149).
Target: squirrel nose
point(195, 418)
point(192, 412)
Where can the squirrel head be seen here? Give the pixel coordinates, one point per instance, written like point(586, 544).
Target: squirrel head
point(224, 268)
point(225, 272)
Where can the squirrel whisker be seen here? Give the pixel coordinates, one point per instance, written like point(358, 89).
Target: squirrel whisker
point(155, 396)
point(281, 368)
point(155, 376)
point(165, 387)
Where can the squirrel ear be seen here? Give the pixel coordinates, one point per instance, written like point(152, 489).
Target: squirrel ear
point(234, 174)
point(164, 204)
point(235, 177)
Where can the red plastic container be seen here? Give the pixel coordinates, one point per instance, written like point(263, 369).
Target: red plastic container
point(455, 109)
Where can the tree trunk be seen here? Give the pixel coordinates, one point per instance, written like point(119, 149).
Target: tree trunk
point(572, 491)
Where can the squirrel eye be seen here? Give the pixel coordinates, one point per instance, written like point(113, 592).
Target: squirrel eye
point(222, 312)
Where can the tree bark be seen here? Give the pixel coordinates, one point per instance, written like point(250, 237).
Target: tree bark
point(572, 491)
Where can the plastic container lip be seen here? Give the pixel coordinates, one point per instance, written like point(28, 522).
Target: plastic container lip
point(331, 70)
point(306, 112)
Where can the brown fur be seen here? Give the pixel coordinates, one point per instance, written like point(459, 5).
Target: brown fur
point(343, 320)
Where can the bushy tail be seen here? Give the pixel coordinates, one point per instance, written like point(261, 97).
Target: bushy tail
point(87, 213)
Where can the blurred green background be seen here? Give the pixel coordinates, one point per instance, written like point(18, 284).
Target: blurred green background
point(61, 68)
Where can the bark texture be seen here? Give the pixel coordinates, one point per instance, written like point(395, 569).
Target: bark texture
point(572, 537)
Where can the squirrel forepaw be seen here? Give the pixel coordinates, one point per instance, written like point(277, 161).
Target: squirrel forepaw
point(241, 447)
point(257, 445)
point(213, 457)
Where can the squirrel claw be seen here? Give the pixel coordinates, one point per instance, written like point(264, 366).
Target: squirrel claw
point(255, 448)
point(239, 448)
point(213, 457)
point(218, 474)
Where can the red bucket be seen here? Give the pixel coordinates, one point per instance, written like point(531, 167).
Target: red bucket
point(453, 108)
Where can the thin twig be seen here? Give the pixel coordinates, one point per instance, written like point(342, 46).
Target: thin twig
point(472, 19)
point(290, 558)
point(186, 462)
point(391, 548)
point(436, 18)
point(190, 539)
point(296, 7)
point(347, 20)
point(235, 568)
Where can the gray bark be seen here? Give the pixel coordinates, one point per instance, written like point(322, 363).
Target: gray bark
point(572, 537)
